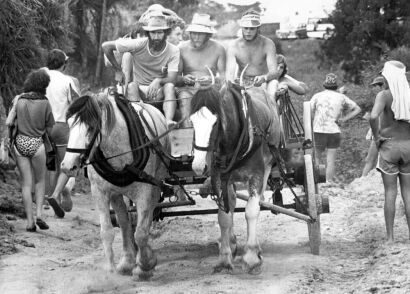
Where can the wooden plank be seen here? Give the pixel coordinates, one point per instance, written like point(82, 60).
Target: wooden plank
point(181, 141)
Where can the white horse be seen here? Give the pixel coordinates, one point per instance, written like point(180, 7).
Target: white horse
point(96, 121)
point(216, 117)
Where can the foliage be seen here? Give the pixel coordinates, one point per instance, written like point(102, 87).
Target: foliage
point(28, 28)
point(365, 30)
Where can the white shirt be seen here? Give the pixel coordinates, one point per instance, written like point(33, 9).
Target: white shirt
point(58, 93)
point(327, 106)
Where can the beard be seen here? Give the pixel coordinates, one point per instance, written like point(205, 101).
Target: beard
point(157, 44)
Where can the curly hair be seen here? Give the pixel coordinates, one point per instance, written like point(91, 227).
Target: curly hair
point(37, 81)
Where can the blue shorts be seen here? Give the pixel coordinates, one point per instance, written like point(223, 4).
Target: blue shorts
point(394, 157)
point(327, 140)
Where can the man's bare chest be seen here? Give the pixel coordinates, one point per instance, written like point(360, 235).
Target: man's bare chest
point(199, 59)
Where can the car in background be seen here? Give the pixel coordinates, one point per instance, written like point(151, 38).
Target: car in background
point(289, 32)
point(319, 28)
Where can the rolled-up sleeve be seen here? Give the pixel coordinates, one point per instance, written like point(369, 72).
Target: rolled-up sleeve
point(129, 45)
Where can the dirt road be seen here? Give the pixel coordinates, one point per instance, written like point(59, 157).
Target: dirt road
point(69, 258)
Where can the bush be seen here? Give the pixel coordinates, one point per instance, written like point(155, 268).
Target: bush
point(365, 30)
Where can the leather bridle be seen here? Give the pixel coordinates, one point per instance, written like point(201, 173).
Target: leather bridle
point(85, 152)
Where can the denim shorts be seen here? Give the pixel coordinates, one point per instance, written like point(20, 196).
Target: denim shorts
point(327, 140)
point(394, 157)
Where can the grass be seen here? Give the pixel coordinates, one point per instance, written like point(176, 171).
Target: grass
point(303, 65)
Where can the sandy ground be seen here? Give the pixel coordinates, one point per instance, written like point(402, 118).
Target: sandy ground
point(69, 258)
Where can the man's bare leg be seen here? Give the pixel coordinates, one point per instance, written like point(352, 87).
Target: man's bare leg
point(170, 103)
point(331, 164)
point(185, 108)
point(390, 194)
point(405, 194)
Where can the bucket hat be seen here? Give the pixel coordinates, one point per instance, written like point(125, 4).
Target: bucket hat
point(156, 22)
point(330, 81)
point(201, 23)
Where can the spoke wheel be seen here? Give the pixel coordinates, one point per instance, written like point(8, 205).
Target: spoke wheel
point(311, 188)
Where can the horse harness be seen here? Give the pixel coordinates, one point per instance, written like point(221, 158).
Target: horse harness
point(140, 148)
point(249, 140)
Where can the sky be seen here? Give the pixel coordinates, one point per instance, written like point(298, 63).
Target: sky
point(285, 10)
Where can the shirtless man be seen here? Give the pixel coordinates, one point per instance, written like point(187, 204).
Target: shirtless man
point(154, 60)
point(392, 137)
point(197, 54)
point(256, 51)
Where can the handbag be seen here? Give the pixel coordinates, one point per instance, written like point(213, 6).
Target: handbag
point(4, 153)
point(51, 152)
point(7, 158)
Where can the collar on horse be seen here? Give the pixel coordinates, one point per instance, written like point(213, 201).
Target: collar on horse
point(134, 171)
point(248, 139)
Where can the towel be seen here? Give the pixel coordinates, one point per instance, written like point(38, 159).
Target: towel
point(394, 72)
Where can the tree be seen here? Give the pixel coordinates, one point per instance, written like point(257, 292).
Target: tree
point(28, 28)
point(365, 30)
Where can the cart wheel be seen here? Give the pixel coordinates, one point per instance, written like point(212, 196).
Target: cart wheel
point(311, 189)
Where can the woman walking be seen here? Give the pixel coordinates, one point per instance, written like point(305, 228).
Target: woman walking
point(33, 118)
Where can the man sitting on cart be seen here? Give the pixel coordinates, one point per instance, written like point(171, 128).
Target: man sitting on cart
point(197, 54)
point(155, 63)
point(255, 51)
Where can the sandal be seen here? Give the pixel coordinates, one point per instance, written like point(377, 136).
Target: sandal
point(57, 209)
point(31, 229)
point(41, 224)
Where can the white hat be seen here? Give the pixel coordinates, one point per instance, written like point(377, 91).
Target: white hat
point(251, 20)
point(201, 23)
point(156, 22)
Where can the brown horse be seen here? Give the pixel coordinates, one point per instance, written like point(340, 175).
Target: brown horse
point(97, 122)
point(233, 133)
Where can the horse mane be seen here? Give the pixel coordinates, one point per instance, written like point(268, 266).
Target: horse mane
point(95, 111)
point(209, 98)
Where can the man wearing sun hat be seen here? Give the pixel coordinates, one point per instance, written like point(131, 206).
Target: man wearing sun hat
point(390, 123)
point(376, 86)
point(327, 108)
point(197, 54)
point(254, 50)
point(154, 62)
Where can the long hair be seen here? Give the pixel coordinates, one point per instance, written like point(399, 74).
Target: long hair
point(209, 98)
point(95, 111)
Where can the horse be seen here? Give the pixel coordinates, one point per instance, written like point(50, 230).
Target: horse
point(96, 122)
point(219, 124)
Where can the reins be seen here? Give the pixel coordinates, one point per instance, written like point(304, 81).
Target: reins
point(149, 143)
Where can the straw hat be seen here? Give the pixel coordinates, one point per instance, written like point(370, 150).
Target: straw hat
point(250, 20)
point(156, 22)
point(201, 23)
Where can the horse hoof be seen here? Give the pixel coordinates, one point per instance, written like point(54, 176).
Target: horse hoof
point(252, 266)
point(140, 275)
point(256, 270)
point(223, 267)
point(125, 269)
